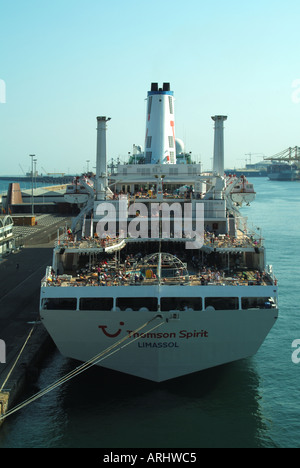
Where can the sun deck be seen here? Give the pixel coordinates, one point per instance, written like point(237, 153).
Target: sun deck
point(119, 276)
point(222, 242)
point(223, 260)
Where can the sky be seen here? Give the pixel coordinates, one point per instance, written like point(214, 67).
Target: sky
point(65, 62)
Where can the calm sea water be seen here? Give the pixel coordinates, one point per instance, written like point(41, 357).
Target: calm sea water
point(251, 403)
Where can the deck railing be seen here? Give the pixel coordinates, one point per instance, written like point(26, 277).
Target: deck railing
point(249, 278)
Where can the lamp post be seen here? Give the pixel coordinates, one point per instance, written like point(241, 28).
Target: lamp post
point(35, 160)
point(32, 202)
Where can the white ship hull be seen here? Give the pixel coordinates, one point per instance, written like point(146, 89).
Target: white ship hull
point(190, 342)
point(77, 198)
point(179, 347)
point(241, 198)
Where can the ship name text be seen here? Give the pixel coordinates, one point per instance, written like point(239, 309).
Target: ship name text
point(164, 344)
point(182, 334)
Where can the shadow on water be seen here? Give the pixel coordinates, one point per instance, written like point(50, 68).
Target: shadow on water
point(219, 407)
point(109, 383)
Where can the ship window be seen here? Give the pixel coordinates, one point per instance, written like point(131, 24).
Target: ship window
point(173, 170)
point(60, 303)
point(257, 303)
point(149, 104)
point(171, 142)
point(137, 303)
point(222, 303)
point(148, 157)
point(149, 140)
point(180, 303)
point(170, 104)
point(96, 303)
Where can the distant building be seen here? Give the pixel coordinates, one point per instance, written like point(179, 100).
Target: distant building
point(49, 199)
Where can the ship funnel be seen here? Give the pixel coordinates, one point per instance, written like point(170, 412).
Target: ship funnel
point(101, 163)
point(218, 165)
point(160, 146)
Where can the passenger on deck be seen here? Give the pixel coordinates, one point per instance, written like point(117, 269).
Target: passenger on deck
point(141, 278)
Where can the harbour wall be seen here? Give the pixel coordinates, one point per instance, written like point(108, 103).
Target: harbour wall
point(20, 278)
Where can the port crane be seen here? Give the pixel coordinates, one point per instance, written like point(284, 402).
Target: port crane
point(22, 169)
point(288, 155)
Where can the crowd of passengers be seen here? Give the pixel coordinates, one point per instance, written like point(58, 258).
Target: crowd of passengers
point(206, 268)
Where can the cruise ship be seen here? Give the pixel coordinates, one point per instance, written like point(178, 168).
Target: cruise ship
point(159, 275)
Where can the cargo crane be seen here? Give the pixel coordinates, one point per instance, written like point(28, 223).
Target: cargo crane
point(287, 155)
point(22, 169)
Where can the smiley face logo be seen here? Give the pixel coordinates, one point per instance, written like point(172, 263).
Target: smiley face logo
point(111, 335)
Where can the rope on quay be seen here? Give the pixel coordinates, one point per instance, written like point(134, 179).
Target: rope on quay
point(85, 366)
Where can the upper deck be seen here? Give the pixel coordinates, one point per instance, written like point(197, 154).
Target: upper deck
point(222, 243)
point(154, 269)
point(135, 277)
point(157, 282)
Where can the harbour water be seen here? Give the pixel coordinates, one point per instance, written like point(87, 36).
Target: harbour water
point(251, 403)
point(24, 185)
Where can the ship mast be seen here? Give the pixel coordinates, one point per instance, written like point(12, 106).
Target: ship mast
point(101, 168)
point(218, 168)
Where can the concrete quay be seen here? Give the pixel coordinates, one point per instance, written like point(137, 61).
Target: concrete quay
point(20, 279)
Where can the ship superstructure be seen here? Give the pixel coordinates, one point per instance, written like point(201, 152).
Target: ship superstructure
point(161, 259)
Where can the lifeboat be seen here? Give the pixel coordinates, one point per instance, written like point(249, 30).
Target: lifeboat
point(243, 192)
point(79, 191)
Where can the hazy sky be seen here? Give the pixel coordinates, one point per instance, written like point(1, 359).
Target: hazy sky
point(63, 62)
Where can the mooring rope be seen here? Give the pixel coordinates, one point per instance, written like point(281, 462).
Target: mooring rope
point(18, 357)
point(85, 366)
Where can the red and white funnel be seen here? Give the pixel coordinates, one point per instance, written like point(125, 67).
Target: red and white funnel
point(160, 147)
